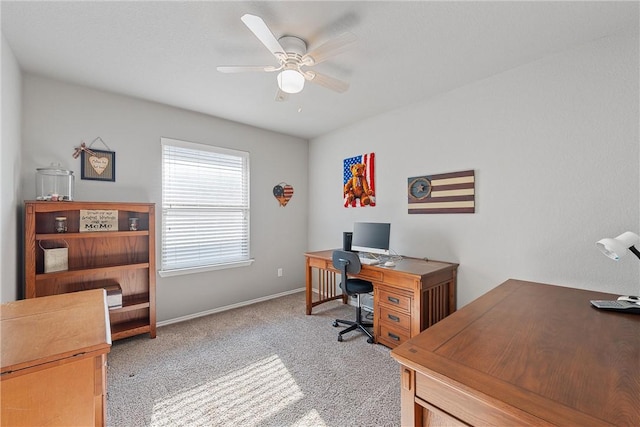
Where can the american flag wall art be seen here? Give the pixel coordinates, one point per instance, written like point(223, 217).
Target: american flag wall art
point(443, 193)
point(359, 184)
point(283, 192)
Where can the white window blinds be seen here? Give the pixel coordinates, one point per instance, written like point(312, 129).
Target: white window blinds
point(205, 205)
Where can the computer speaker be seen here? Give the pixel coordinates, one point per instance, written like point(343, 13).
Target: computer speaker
point(346, 240)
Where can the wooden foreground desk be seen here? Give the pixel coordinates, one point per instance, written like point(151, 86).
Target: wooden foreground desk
point(524, 354)
point(407, 298)
point(54, 351)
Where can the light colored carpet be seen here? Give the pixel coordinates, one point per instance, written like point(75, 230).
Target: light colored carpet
point(267, 364)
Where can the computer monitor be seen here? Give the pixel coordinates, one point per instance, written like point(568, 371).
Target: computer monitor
point(372, 237)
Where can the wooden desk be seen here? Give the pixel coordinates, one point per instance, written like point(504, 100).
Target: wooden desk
point(407, 298)
point(54, 352)
point(524, 354)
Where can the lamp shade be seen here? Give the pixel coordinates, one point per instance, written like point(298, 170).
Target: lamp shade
point(290, 81)
point(617, 248)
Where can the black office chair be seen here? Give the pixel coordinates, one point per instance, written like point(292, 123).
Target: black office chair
point(349, 263)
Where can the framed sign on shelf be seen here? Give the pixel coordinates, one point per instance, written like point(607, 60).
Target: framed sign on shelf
point(100, 165)
point(98, 220)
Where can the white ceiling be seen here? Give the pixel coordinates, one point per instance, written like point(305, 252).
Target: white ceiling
point(407, 50)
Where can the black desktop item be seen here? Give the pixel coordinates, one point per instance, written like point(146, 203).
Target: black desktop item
point(346, 240)
point(371, 237)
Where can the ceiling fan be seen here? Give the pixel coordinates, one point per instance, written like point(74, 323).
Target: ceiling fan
point(294, 60)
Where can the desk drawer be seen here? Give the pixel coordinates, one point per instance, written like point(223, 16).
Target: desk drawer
point(394, 318)
point(370, 274)
point(392, 336)
point(320, 263)
point(395, 299)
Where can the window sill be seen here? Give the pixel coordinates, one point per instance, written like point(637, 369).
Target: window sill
point(224, 266)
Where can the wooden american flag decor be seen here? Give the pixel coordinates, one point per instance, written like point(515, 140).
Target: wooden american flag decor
point(443, 193)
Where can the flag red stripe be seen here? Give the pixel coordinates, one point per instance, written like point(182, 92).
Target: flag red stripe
point(443, 199)
point(452, 186)
point(453, 174)
point(443, 210)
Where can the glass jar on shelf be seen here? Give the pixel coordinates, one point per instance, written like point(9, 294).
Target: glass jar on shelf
point(54, 184)
point(61, 224)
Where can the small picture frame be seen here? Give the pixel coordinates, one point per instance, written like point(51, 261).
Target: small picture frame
point(99, 166)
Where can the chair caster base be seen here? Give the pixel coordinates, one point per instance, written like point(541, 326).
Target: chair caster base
point(370, 340)
point(335, 324)
point(339, 338)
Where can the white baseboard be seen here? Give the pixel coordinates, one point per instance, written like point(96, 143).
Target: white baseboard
point(227, 307)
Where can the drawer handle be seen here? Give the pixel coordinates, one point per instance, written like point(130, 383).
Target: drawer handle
point(394, 300)
point(393, 336)
point(394, 318)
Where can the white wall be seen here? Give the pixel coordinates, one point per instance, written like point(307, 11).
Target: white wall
point(10, 222)
point(59, 116)
point(555, 148)
point(554, 145)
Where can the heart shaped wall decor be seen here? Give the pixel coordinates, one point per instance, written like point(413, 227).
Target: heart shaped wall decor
point(283, 192)
point(99, 164)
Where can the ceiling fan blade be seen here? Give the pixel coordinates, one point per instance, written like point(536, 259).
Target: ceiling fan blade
point(242, 69)
point(326, 81)
point(329, 49)
point(281, 96)
point(264, 34)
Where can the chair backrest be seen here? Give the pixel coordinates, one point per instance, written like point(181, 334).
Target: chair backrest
point(346, 262)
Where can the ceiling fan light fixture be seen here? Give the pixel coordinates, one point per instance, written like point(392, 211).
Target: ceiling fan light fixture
point(290, 81)
point(292, 56)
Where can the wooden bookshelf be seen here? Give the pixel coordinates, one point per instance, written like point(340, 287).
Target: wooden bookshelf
point(96, 259)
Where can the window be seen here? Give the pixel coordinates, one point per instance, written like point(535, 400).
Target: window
point(205, 207)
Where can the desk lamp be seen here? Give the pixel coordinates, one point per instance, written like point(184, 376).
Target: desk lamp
point(617, 248)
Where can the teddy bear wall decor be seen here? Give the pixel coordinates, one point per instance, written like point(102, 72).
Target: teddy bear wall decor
point(359, 185)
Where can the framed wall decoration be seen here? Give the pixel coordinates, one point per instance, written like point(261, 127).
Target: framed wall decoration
point(99, 165)
point(443, 193)
point(358, 179)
